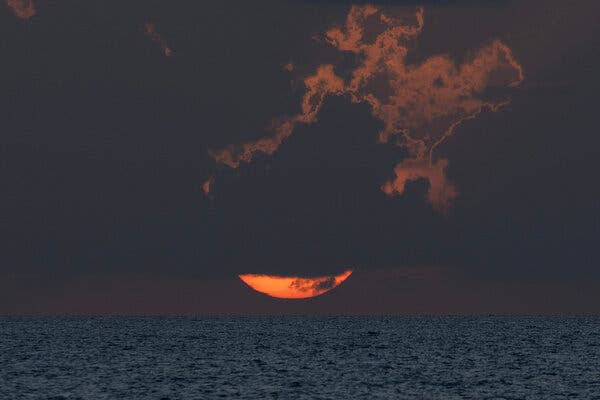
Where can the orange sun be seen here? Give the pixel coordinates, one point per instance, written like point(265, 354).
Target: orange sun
point(293, 287)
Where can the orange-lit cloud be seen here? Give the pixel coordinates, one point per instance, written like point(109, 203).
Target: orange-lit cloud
point(318, 86)
point(420, 105)
point(441, 192)
point(291, 287)
point(232, 155)
point(206, 185)
point(23, 8)
point(150, 31)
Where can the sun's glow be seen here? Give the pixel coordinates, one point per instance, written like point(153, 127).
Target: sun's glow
point(293, 287)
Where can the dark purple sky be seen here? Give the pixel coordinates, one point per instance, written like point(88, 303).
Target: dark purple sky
point(108, 124)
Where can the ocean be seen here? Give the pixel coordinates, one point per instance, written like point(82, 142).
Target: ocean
point(299, 358)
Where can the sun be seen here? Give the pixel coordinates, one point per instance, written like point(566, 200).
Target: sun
point(293, 287)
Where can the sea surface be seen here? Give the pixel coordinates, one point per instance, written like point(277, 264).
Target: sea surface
point(300, 358)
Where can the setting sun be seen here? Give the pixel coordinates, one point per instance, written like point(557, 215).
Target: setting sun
point(292, 287)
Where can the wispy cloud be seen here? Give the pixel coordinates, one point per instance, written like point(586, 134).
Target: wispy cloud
point(318, 86)
point(150, 31)
point(206, 185)
point(420, 105)
point(22, 8)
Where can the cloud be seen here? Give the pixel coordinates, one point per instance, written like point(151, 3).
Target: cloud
point(325, 284)
point(441, 192)
point(150, 31)
point(206, 185)
point(318, 86)
point(420, 105)
point(232, 155)
point(23, 8)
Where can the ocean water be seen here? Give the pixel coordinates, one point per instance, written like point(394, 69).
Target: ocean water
point(300, 358)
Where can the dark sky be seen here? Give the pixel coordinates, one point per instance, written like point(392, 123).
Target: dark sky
point(106, 143)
